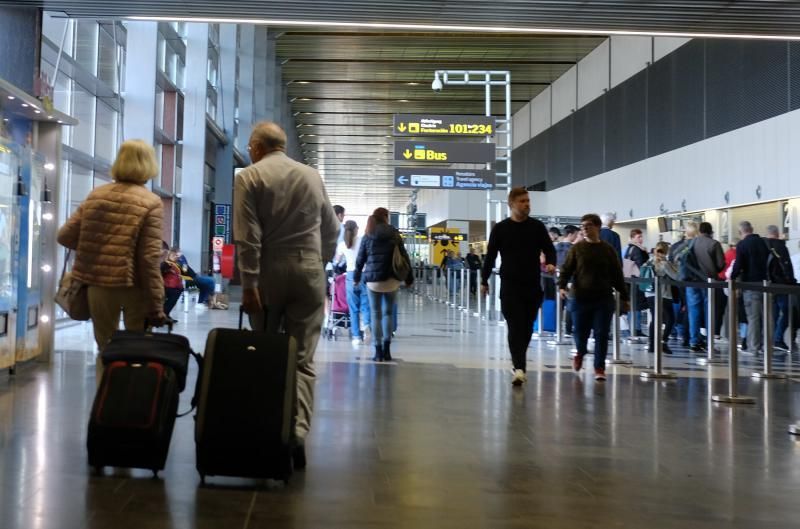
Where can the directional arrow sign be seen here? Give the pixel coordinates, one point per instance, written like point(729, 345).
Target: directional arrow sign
point(445, 151)
point(443, 125)
point(444, 178)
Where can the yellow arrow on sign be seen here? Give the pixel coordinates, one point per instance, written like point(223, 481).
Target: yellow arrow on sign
point(407, 154)
point(401, 127)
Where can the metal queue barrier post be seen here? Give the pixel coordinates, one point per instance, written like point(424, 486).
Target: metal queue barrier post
point(467, 285)
point(733, 396)
point(711, 307)
point(634, 316)
point(616, 345)
point(462, 304)
point(658, 368)
point(559, 336)
point(767, 333)
point(791, 323)
point(540, 332)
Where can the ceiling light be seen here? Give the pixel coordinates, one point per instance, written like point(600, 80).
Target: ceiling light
point(60, 121)
point(402, 100)
point(49, 117)
point(436, 85)
point(11, 98)
point(37, 111)
point(412, 84)
point(467, 28)
point(24, 105)
point(49, 166)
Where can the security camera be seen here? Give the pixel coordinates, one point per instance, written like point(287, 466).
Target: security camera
point(437, 85)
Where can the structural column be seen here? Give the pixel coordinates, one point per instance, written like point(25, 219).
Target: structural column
point(194, 228)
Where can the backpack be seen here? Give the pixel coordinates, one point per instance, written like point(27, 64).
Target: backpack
point(777, 271)
point(629, 266)
point(647, 271)
point(688, 267)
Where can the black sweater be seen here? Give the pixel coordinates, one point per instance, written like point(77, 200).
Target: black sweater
point(593, 269)
point(520, 244)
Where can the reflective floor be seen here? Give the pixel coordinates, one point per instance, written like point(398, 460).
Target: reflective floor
point(438, 439)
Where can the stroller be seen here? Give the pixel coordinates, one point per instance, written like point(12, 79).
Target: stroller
point(338, 312)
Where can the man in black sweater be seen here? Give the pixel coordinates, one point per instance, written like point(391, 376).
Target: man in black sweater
point(592, 266)
point(751, 267)
point(520, 240)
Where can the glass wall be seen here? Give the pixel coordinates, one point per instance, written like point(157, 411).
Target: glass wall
point(91, 63)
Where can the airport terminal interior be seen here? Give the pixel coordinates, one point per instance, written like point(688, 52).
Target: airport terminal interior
point(663, 118)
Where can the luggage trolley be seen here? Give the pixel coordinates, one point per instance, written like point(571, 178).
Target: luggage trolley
point(338, 316)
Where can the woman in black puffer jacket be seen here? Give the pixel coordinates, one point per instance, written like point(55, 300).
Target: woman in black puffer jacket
point(375, 260)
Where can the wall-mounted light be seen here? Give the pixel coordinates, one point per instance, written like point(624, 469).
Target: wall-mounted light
point(47, 216)
point(44, 318)
point(49, 166)
point(727, 197)
point(758, 191)
point(46, 268)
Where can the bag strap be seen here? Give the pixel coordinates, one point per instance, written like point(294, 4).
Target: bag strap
point(66, 260)
point(196, 396)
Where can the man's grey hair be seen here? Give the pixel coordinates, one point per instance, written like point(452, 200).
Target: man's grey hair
point(773, 230)
point(269, 135)
point(745, 226)
point(608, 218)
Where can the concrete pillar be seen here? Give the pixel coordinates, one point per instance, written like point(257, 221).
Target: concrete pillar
point(247, 73)
point(194, 229)
point(140, 81)
point(223, 179)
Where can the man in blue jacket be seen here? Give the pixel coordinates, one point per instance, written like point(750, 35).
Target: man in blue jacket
point(609, 235)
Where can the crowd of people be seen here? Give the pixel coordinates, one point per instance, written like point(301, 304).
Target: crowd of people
point(282, 210)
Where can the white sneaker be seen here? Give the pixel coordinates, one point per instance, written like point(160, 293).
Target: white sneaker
point(200, 307)
point(357, 341)
point(519, 377)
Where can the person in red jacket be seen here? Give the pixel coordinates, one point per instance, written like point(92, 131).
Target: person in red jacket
point(173, 282)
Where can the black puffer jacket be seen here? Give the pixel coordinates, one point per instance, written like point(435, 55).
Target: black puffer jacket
point(375, 255)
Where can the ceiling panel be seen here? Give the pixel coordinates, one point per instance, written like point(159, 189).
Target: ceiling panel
point(737, 16)
point(346, 82)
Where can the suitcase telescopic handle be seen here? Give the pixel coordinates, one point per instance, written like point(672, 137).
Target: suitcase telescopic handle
point(148, 324)
point(241, 317)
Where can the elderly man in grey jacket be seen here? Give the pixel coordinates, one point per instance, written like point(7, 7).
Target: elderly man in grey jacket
point(285, 230)
point(711, 260)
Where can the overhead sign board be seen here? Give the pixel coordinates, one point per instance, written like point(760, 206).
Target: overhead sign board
point(444, 178)
point(442, 125)
point(444, 151)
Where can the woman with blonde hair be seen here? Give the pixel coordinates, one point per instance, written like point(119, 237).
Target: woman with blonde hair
point(116, 236)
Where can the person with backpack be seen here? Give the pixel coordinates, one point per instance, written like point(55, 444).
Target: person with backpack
point(684, 259)
point(703, 260)
point(779, 270)
point(384, 264)
point(660, 266)
point(750, 266)
point(633, 259)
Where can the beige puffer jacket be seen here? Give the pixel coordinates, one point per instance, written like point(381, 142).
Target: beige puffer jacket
point(116, 233)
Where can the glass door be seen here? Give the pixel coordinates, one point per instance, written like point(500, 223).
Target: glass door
point(9, 168)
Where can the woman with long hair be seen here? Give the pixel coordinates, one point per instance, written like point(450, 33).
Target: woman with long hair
point(375, 260)
point(357, 298)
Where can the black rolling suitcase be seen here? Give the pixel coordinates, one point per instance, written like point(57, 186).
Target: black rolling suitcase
point(246, 405)
point(136, 403)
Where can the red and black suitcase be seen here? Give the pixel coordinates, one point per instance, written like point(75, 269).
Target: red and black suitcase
point(246, 405)
point(136, 404)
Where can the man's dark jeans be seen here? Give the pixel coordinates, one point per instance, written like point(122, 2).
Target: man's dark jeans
point(593, 316)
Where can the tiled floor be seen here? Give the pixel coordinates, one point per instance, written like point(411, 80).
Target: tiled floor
point(438, 439)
